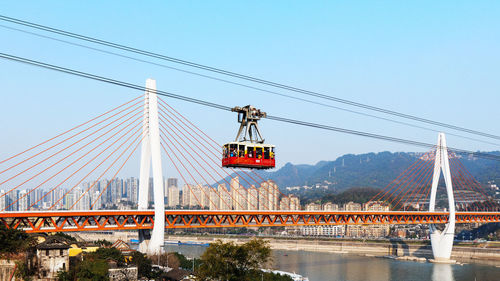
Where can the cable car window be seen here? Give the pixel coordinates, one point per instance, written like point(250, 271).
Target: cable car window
point(272, 153)
point(241, 150)
point(250, 152)
point(266, 152)
point(258, 152)
point(224, 151)
point(232, 150)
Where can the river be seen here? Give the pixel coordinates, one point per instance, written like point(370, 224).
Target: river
point(339, 267)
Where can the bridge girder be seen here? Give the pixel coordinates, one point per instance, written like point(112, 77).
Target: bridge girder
point(71, 221)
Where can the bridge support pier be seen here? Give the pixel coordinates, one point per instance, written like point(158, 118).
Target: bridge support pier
point(151, 154)
point(442, 241)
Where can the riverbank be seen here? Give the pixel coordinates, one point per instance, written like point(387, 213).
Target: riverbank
point(396, 249)
point(486, 253)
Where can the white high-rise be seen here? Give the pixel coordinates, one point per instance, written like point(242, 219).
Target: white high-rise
point(253, 198)
point(23, 200)
point(215, 201)
point(226, 201)
point(173, 196)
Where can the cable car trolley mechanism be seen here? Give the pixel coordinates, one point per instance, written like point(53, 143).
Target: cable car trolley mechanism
point(248, 150)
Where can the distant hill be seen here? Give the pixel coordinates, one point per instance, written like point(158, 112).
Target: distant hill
point(374, 170)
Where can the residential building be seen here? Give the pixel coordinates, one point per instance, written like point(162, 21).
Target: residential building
point(52, 257)
point(313, 207)
point(172, 196)
point(226, 202)
point(294, 202)
point(285, 203)
point(329, 206)
point(253, 198)
point(322, 230)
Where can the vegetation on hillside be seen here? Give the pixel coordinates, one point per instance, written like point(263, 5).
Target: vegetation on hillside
point(356, 194)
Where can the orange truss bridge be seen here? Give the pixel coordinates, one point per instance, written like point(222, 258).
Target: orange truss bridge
point(68, 221)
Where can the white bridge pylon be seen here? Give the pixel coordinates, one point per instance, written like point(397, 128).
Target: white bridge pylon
point(151, 154)
point(442, 241)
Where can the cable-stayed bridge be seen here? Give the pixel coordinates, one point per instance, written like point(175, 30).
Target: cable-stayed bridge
point(102, 146)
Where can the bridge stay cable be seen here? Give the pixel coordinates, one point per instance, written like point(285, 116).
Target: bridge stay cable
point(98, 164)
point(89, 161)
point(61, 150)
point(71, 165)
point(67, 131)
point(110, 166)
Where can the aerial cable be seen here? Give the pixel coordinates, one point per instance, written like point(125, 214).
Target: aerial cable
point(227, 108)
point(241, 76)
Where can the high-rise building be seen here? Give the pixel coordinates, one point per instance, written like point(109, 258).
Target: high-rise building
point(253, 198)
point(186, 195)
point(192, 196)
point(329, 206)
point(23, 200)
point(132, 189)
point(236, 194)
point(172, 182)
point(70, 200)
point(313, 207)
point(204, 196)
point(214, 203)
point(13, 204)
point(271, 195)
point(173, 196)
point(353, 230)
point(226, 201)
point(274, 192)
point(3, 199)
point(82, 199)
point(294, 202)
point(285, 203)
point(381, 230)
point(263, 196)
point(116, 190)
point(102, 187)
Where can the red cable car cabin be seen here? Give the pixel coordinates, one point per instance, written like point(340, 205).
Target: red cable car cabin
point(248, 155)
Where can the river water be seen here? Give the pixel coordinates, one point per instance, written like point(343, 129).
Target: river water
point(327, 266)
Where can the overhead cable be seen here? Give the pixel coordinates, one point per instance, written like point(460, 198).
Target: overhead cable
point(241, 76)
point(227, 108)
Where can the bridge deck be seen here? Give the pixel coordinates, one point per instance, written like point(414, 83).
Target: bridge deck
point(104, 220)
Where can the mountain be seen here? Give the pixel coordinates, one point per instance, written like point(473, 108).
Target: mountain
point(367, 170)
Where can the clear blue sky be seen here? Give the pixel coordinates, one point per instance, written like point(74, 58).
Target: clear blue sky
point(435, 59)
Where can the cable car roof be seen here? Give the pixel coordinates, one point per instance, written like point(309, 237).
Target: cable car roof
point(250, 144)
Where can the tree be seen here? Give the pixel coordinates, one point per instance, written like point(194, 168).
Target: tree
point(93, 270)
point(13, 241)
point(144, 265)
point(108, 254)
point(103, 243)
point(228, 261)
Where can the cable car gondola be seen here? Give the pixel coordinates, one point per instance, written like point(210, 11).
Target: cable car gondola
point(248, 150)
